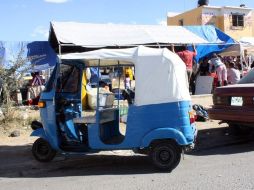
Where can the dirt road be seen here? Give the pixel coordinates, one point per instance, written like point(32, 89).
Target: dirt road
point(220, 160)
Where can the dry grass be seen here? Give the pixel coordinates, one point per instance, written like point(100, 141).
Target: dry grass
point(18, 118)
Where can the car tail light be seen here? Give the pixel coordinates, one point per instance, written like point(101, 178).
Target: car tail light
point(193, 116)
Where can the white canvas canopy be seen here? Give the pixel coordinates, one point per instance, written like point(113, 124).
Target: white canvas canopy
point(160, 74)
point(248, 44)
point(234, 50)
point(245, 43)
point(110, 35)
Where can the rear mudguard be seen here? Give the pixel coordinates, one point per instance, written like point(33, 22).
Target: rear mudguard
point(164, 133)
point(41, 133)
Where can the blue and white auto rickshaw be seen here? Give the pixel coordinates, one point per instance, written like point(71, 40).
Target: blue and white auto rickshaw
point(159, 121)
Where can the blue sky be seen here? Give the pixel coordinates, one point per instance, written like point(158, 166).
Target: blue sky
point(28, 20)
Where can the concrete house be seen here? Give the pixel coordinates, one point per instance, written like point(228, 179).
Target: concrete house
point(234, 21)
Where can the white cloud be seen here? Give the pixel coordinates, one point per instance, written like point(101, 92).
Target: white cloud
point(162, 22)
point(56, 1)
point(40, 32)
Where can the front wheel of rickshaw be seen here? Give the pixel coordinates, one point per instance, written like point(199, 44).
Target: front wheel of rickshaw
point(42, 151)
point(166, 155)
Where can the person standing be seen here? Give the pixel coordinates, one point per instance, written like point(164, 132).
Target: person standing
point(220, 69)
point(203, 69)
point(127, 81)
point(35, 88)
point(129, 72)
point(36, 80)
point(247, 59)
point(187, 57)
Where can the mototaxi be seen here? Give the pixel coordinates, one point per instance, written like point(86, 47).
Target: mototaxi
point(158, 121)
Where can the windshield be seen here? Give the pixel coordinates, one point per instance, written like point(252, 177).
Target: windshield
point(68, 79)
point(50, 83)
point(249, 78)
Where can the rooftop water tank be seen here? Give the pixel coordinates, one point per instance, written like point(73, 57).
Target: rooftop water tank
point(203, 2)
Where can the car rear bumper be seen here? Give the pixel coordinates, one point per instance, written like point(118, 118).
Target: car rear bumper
point(232, 113)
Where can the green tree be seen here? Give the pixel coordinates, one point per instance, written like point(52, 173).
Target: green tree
point(11, 72)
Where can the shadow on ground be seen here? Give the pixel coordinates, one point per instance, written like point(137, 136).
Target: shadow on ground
point(17, 161)
point(223, 140)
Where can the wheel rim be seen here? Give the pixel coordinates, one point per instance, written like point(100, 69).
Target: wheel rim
point(165, 156)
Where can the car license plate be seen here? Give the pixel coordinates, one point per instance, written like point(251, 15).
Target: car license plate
point(236, 101)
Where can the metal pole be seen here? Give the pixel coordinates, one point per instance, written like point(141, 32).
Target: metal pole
point(60, 51)
point(241, 58)
point(152, 45)
point(159, 45)
point(98, 94)
point(118, 95)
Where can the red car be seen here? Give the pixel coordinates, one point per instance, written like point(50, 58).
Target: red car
point(234, 104)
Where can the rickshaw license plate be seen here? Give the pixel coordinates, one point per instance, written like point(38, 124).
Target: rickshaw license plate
point(236, 101)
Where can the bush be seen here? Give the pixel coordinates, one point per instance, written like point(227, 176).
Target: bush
point(11, 72)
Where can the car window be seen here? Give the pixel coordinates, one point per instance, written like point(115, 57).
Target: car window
point(249, 78)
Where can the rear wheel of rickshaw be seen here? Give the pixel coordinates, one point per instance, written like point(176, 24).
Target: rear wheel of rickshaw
point(42, 151)
point(166, 155)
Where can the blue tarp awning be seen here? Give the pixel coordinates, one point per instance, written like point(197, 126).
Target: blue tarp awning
point(39, 53)
point(218, 40)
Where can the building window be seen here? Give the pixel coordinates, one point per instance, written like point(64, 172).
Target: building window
point(237, 20)
point(181, 22)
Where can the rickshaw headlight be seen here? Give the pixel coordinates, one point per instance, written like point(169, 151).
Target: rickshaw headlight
point(41, 104)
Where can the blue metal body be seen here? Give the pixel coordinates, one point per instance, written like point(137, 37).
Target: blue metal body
point(48, 117)
point(148, 123)
point(144, 123)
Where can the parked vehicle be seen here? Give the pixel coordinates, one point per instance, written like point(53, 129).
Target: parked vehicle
point(233, 104)
point(159, 123)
